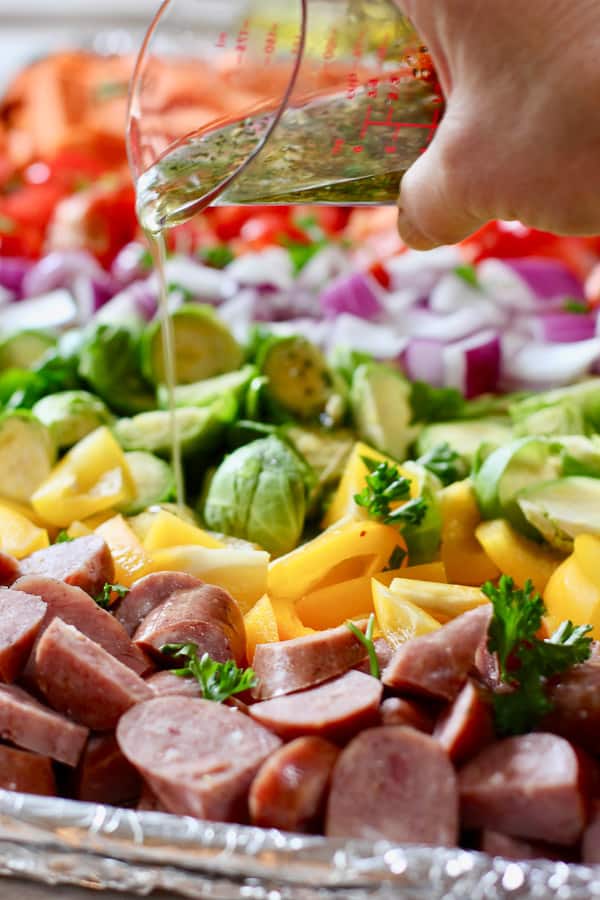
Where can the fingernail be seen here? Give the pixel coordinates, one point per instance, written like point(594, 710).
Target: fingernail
point(410, 234)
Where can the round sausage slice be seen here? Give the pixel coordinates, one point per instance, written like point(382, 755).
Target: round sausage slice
point(396, 784)
point(337, 709)
point(397, 711)
point(466, 726)
point(198, 757)
point(149, 592)
point(85, 562)
point(531, 786)
point(206, 616)
point(290, 788)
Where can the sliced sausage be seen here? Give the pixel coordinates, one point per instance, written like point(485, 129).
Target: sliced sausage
point(75, 607)
point(80, 679)
point(437, 664)
point(590, 846)
point(396, 711)
point(21, 616)
point(497, 844)
point(149, 592)
point(85, 562)
point(530, 786)
point(395, 784)
point(206, 616)
point(287, 666)
point(26, 772)
point(290, 788)
point(104, 775)
point(30, 725)
point(466, 726)
point(10, 569)
point(337, 709)
point(165, 684)
point(384, 653)
point(198, 757)
point(575, 696)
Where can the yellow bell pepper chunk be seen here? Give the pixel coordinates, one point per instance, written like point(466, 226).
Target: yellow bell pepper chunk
point(130, 559)
point(18, 535)
point(400, 620)
point(261, 626)
point(443, 601)
point(79, 529)
point(167, 530)
point(289, 624)
point(349, 549)
point(465, 560)
point(573, 590)
point(241, 572)
point(516, 555)
point(334, 604)
point(25, 510)
point(92, 477)
point(353, 481)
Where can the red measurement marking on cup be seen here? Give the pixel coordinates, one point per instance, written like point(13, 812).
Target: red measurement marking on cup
point(221, 41)
point(271, 43)
point(241, 43)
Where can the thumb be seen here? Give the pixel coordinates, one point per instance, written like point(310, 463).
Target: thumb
point(433, 194)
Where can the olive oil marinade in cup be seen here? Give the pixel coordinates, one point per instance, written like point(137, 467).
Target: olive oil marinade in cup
point(312, 101)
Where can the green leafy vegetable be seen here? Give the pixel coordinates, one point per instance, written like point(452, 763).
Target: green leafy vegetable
point(469, 274)
point(105, 598)
point(525, 661)
point(218, 681)
point(366, 640)
point(397, 557)
point(218, 256)
point(446, 463)
point(384, 487)
point(575, 306)
point(63, 537)
point(432, 404)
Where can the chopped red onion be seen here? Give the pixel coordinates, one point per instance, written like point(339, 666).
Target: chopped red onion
point(383, 341)
point(423, 361)
point(541, 366)
point(137, 302)
point(60, 268)
point(454, 326)
point(12, 273)
point(271, 268)
point(547, 278)
point(330, 262)
point(356, 294)
point(421, 270)
point(129, 264)
point(452, 293)
point(560, 327)
point(54, 310)
point(504, 286)
point(473, 365)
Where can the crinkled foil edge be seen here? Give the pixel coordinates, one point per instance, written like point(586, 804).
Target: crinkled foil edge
point(63, 842)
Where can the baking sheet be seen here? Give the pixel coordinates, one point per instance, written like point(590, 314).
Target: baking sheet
point(62, 842)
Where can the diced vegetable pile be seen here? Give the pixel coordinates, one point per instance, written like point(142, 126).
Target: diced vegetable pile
point(387, 560)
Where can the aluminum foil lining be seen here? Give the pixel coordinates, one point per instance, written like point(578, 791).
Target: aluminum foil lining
point(63, 842)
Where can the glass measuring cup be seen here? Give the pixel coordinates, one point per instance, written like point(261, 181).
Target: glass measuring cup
point(311, 101)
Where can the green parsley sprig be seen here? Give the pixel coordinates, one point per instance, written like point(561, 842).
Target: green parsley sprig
point(525, 661)
point(107, 595)
point(366, 639)
point(445, 463)
point(218, 681)
point(385, 486)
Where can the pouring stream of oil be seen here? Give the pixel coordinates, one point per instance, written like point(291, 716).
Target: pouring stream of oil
point(159, 253)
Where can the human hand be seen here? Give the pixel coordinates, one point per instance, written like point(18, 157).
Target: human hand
point(520, 138)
